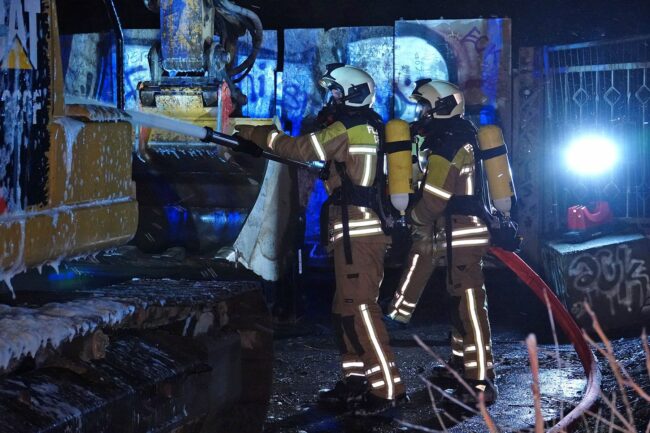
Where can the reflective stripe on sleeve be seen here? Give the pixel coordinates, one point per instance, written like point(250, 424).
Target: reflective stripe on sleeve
point(353, 224)
point(318, 148)
point(359, 232)
point(467, 242)
point(470, 231)
point(439, 192)
point(272, 137)
point(367, 170)
point(363, 149)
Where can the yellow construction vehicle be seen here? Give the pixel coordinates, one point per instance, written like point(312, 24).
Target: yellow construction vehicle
point(142, 354)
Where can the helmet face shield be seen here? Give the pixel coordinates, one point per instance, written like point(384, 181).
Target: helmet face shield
point(335, 94)
point(445, 106)
point(348, 85)
point(357, 94)
point(445, 99)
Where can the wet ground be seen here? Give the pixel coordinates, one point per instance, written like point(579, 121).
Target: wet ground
point(303, 364)
point(306, 360)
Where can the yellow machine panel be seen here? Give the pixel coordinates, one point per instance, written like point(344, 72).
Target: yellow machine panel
point(85, 199)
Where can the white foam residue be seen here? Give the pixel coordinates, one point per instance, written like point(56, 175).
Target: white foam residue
point(18, 265)
point(25, 331)
point(71, 129)
point(55, 264)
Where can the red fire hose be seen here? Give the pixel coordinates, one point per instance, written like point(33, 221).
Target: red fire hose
point(570, 328)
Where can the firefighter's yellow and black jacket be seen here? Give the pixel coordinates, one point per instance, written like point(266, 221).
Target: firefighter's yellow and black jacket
point(450, 174)
point(352, 141)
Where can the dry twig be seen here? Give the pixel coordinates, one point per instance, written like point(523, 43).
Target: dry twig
point(531, 342)
point(454, 373)
point(611, 359)
point(486, 416)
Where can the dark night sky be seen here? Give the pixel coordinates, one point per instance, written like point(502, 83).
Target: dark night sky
point(535, 22)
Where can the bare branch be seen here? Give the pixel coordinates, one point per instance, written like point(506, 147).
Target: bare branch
point(611, 359)
point(435, 409)
point(531, 342)
point(416, 427)
point(486, 416)
point(449, 396)
point(644, 339)
point(454, 373)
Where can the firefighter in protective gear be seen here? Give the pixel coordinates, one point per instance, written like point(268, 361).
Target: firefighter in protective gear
point(371, 379)
point(450, 172)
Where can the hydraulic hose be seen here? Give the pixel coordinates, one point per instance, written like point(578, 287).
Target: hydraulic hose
point(225, 7)
point(563, 318)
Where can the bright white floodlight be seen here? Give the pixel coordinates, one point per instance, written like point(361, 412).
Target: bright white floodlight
point(591, 155)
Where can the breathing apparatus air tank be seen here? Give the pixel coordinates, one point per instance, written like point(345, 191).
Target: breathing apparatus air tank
point(497, 168)
point(398, 149)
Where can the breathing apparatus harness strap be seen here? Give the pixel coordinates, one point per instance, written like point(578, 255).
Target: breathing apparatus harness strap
point(502, 234)
point(349, 194)
point(446, 137)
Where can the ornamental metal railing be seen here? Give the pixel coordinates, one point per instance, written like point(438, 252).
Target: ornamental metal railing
point(602, 88)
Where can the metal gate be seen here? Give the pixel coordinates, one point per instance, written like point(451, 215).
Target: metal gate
point(601, 88)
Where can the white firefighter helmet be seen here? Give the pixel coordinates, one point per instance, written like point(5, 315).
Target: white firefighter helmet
point(437, 98)
point(349, 85)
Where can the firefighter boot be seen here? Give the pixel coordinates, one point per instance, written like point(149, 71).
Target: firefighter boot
point(442, 377)
point(487, 388)
point(345, 393)
point(372, 405)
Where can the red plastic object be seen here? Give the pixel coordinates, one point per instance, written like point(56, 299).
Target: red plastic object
point(227, 107)
point(580, 218)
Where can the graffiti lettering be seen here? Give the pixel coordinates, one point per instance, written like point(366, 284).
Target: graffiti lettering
point(490, 51)
point(622, 279)
point(255, 92)
point(27, 102)
point(16, 29)
point(475, 38)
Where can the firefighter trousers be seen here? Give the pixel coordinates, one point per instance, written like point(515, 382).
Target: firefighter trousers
point(470, 337)
point(360, 333)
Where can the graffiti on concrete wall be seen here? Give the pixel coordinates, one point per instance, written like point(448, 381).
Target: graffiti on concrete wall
point(89, 65)
point(615, 274)
point(259, 84)
point(308, 51)
point(475, 54)
point(24, 101)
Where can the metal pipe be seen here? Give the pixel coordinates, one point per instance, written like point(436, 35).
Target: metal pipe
point(232, 142)
point(207, 135)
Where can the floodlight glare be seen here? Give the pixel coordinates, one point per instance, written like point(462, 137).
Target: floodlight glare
point(591, 155)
